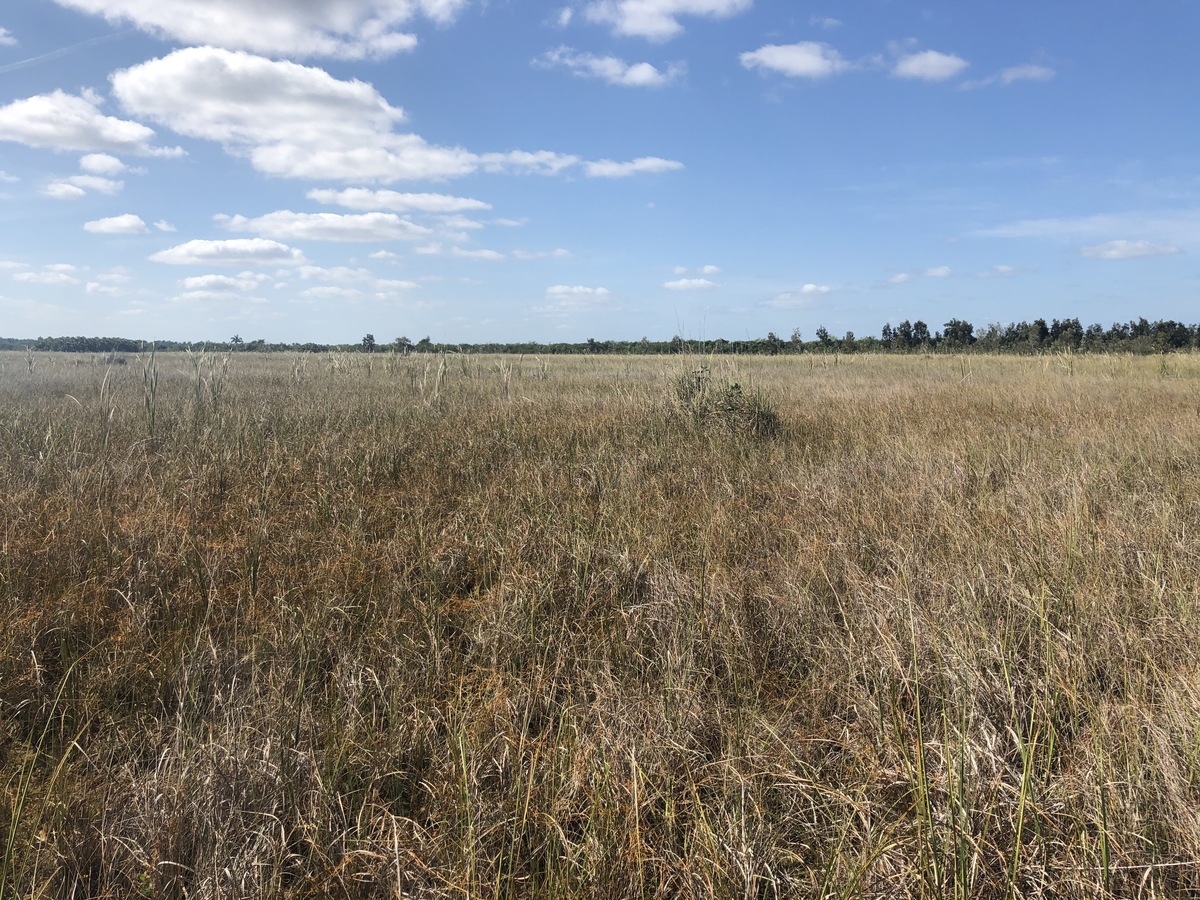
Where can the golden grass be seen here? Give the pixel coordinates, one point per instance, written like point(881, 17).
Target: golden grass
point(358, 626)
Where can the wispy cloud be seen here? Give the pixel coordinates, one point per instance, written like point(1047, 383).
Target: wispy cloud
point(689, 284)
point(997, 271)
point(557, 253)
point(1162, 227)
point(606, 168)
point(804, 296)
point(1121, 249)
point(1012, 75)
point(566, 299)
point(46, 277)
point(365, 199)
point(611, 69)
point(483, 254)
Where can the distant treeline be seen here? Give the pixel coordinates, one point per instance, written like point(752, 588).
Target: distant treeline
point(957, 335)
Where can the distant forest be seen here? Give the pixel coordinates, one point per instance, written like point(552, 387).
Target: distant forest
point(957, 336)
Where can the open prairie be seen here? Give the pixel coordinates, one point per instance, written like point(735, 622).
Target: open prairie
point(488, 627)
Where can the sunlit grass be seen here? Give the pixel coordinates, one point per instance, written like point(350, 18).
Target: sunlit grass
point(363, 626)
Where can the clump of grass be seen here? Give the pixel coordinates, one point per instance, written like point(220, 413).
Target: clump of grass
point(724, 404)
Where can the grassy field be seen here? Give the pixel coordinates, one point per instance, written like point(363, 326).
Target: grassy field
point(602, 627)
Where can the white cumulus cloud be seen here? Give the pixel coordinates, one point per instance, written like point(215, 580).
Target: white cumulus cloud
point(101, 164)
point(300, 122)
point(347, 29)
point(1127, 250)
point(658, 20)
point(287, 119)
point(61, 121)
point(6, 38)
point(929, 65)
point(237, 252)
point(807, 59)
point(900, 278)
point(606, 168)
point(611, 69)
point(126, 224)
point(939, 272)
point(363, 227)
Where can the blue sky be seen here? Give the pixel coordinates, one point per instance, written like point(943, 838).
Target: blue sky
point(473, 170)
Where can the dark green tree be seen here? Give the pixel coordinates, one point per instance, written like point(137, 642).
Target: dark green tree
point(958, 333)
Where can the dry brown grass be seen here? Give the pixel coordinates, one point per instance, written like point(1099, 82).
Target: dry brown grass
point(490, 627)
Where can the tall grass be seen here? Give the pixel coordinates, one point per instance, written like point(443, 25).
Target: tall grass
point(485, 627)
